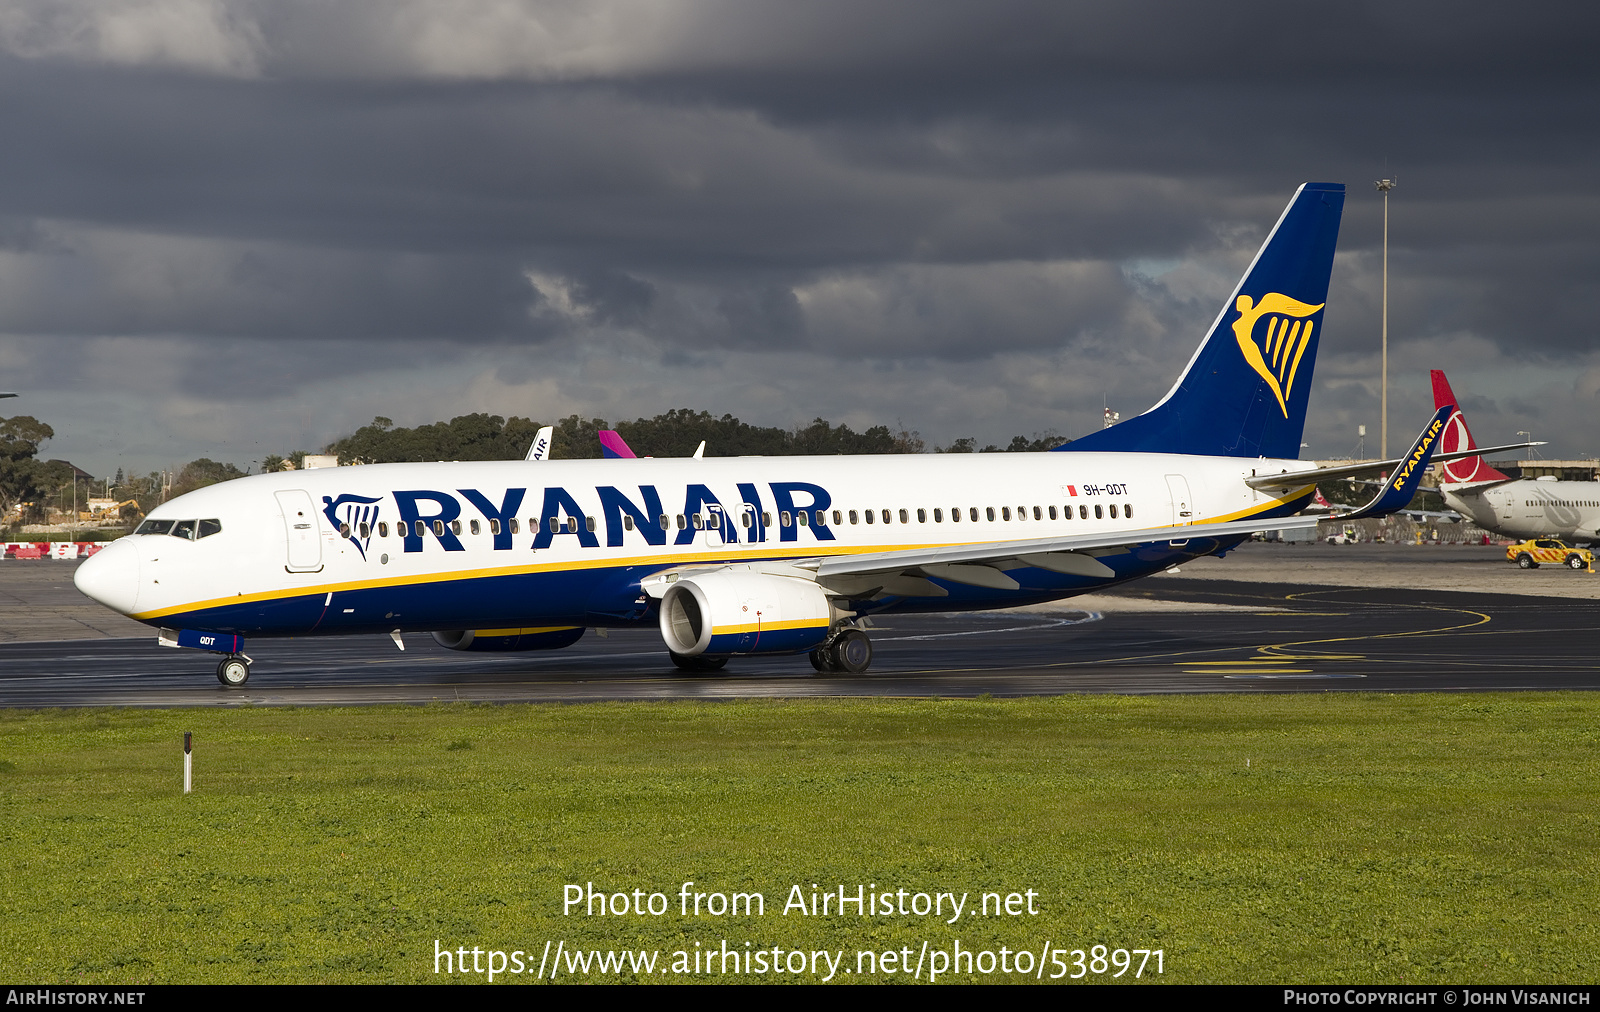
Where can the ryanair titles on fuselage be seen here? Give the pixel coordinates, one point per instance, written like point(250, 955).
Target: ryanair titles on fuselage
point(799, 505)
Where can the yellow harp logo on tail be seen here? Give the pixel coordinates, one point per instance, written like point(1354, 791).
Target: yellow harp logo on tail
point(1288, 333)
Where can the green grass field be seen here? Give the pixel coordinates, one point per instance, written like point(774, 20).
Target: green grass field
point(1312, 838)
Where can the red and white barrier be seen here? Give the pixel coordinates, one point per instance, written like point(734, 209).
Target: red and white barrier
point(49, 549)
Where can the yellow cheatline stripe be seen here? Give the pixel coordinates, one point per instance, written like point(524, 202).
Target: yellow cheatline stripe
point(658, 561)
point(1246, 514)
point(525, 632)
point(751, 627)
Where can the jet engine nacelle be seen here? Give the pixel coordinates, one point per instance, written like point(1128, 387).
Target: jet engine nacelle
point(540, 638)
point(743, 612)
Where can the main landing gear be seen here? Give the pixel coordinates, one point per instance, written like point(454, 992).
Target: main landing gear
point(850, 651)
point(234, 670)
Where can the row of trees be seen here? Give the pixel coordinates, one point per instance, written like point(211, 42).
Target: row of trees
point(675, 433)
point(43, 484)
point(23, 478)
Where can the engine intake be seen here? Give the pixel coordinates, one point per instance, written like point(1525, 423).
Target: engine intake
point(742, 612)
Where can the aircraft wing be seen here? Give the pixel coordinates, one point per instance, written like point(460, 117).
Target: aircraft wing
point(1432, 516)
point(980, 564)
point(1290, 479)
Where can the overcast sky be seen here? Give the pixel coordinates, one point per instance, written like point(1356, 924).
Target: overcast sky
point(229, 229)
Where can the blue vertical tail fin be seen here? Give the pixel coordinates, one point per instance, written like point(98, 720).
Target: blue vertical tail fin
point(1244, 392)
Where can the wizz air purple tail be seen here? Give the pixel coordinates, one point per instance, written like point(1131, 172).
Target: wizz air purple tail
point(1244, 392)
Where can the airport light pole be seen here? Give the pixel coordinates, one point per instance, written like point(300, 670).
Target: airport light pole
point(1384, 186)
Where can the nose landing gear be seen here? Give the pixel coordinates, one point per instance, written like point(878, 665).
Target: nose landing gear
point(234, 670)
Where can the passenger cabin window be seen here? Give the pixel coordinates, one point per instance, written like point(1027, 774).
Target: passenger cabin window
point(366, 530)
point(1127, 510)
point(872, 517)
point(455, 527)
point(972, 514)
point(1005, 513)
point(666, 524)
point(938, 515)
point(344, 530)
point(572, 525)
point(988, 512)
point(1083, 512)
point(803, 518)
point(513, 525)
point(766, 519)
point(852, 516)
point(885, 516)
point(1113, 511)
point(627, 521)
point(1099, 514)
point(922, 516)
point(786, 519)
point(1037, 516)
point(494, 526)
point(1052, 513)
point(905, 517)
point(699, 521)
point(838, 518)
point(473, 527)
point(588, 523)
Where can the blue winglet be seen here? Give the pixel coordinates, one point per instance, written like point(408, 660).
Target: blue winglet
point(1402, 484)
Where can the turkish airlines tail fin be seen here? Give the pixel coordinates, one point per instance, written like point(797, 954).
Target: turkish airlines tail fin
point(1456, 437)
point(1244, 392)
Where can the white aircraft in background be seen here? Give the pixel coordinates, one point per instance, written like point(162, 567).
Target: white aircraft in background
point(752, 555)
point(1516, 507)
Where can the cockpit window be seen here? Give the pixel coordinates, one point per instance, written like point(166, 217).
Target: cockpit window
point(154, 527)
point(183, 529)
point(208, 528)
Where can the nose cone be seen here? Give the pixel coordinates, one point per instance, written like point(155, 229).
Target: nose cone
point(111, 576)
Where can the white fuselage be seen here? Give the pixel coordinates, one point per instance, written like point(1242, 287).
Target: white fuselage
point(1530, 508)
point(522, 543)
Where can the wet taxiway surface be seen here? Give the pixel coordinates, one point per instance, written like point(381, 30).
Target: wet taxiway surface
point(1275, 638)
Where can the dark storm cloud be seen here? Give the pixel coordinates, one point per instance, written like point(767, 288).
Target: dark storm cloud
point(566, 192)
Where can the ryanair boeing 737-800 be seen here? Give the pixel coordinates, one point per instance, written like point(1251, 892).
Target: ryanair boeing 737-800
point(752, 555)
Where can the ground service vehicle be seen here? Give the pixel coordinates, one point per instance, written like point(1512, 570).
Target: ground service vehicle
point(1530, 554)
